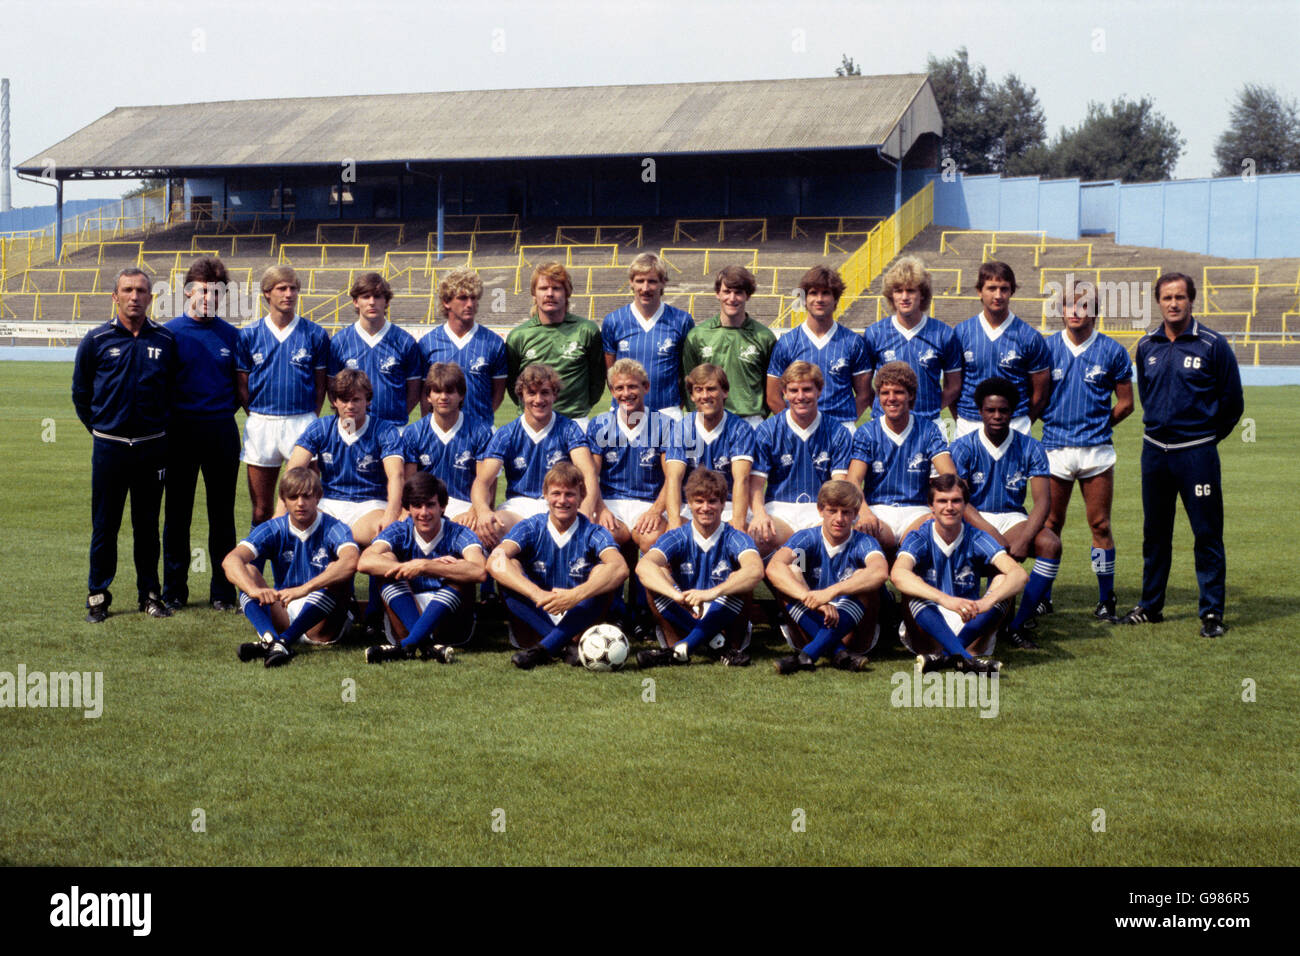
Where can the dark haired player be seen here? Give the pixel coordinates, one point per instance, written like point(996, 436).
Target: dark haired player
point(939, 566)
point(387, 353)
point(448, 442)
point(1191, 400)
point(736, 342)
point(430, 566)
point(998, 342)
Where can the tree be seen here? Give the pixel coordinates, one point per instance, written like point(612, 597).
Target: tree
point(1127, 140)
point(847, 67)
point(1264, 128)
point(146, 185)
point(986, 126)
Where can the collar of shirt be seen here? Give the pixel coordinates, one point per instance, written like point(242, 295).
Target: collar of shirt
point(541, 433)
point(281, 333)
point(1077, 350)
point(450, 433)
point(368, 338)
point(944, 546)
point(427, 546)
point(561, 538)
point(303, 535)
point(833, 549)
point(997, 451)
point(706, 544)
point(353, 438)
point(992, 333)
point(460, 341)
point(818, 341)
point(911, 333)
point(898, 437)
point(804, 433)
point(647, 324)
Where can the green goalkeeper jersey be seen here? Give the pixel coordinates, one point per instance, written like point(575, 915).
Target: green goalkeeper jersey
point(743, 354)
point(573, 348)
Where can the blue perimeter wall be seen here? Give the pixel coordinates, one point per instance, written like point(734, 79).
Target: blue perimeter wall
point(38, 217)
point(1232, 217)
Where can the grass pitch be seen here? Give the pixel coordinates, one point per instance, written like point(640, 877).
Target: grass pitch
point(199, 760)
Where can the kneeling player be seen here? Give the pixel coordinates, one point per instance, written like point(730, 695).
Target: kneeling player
point(701, 577)
point(559, 572)
point(999, 464)
point(838, 617)
point(939, 566)
point(431, 566)
point(314, 558)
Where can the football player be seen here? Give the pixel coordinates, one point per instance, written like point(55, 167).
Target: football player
point(430, 566)
point(559, 573)
point(313, 557)
point(939, 566)
point(713, 438)
point(480, 352)
point(831, 578)
point(702, 577)
point(447, 443)
point(387, 353)
point(736, 342)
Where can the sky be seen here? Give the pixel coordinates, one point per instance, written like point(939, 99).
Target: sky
point(71, 61)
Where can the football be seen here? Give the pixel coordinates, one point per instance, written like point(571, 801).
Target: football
point(603, 648)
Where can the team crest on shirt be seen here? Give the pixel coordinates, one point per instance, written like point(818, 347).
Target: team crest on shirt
point(571, 350)
point(1094, 372)
point(1151, 360)
point(707, 352)
point(1016, 481)
point(426, 460)
point(687, 568)
point(553, 457)
point(539, 567)
point(927, 357)
point(846, 574)
point(478, 364)
point(666, 346)
point(327, 457)
point(889, 355)
point(1058, 374)
point(646, 458)
point(749, 353)
point(932, 577)
point(965, 577)
point(521, 462)
point(787, 460)
point(611, 456)
point(878, 467)
point(301, 357)
point(624, 345)
point(916, 462)
point(838, 366)
point(388, 364)
point(977, 478)
point(462, 461)
point(720, 462)
point(822, 460)
point(351, 363)
point(578, 566)
point(721, 569)
point(366, 463)
point(531, 354)
point(286, 556)
point(258, 357)
point(1008, 358)
point(320, 557)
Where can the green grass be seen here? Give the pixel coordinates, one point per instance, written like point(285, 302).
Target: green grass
point(1146, 723)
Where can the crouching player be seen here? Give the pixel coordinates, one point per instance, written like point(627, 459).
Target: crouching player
point(430, 566)
point(701, 576)
point(313, 557)
point(831, 578)
point(559, 572)
point(939, 566)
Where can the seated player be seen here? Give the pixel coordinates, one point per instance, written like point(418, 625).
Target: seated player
point(387, 353)
point(447, 443)
point(714, 438)
point(479, 351)
point(837, 618)
point(795, 453)
point(313, 557)
point(999, 464)
point(893, 455)
point(929, 346)
point(838, 351)
point(559, 573)
point(1087, 367)
point(359, 458)
point(702, 576)
point(528, 448)
point(430, 565)
point(651, 332)
point(939, 566)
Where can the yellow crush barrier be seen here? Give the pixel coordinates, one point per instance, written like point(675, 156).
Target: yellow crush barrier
point(598, 232)
point(525, 251)
point(234, 239)
point(99, 260)
point(1137, 273)
point(798, 224)
point(28, 280)
point(945, 243)
point(1039, 248)
point(353, 229)
point(882, 244)
point(398, 262)
point(172, 256)
point(827, 243)
point(288, 250)
point(760, 233)
point(750, 256)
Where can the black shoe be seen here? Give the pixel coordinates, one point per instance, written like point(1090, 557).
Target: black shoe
point(380, 653)
point(98, 609)
point(277, 654)
point(1043, 608)
point(569, 654)
point(925, 663)
point(1020, 639)
point(978, 665)
point(442, 653)
point(795, 663)
point(1105, 611)
point(1140, 615)
point(846, 660)
point(220, 605)
point(658, 657)
point(154, 607)
point(1212, 625)
point(253, 651)
point(173, 604)
point(732, 658)
point(531, 657)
